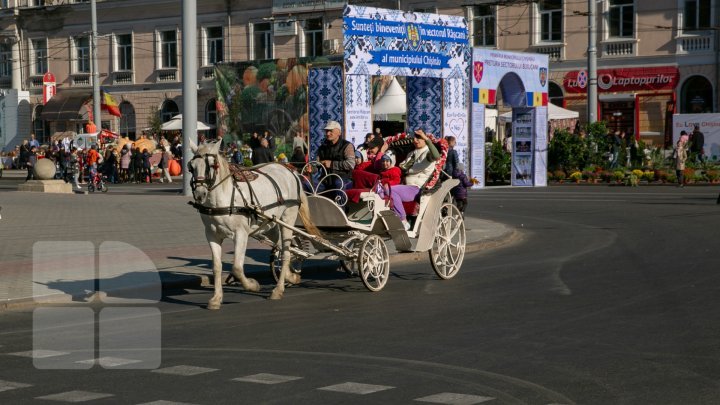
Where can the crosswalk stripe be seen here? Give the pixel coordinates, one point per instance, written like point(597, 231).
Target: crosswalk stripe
point(39, 354)
point(109, 361)
point(184, 370)
point(451, 398)
point(265, 378)
point(9, 385)
point(356, 388)
point(163, 402)
point(75, 396)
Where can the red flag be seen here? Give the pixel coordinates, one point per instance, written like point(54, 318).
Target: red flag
point(110, 105)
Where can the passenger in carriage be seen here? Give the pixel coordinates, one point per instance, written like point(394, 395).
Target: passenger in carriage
point(417, 167)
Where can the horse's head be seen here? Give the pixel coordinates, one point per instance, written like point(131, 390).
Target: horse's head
point(204, 167)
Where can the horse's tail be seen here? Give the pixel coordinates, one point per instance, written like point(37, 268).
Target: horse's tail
point(304, 213)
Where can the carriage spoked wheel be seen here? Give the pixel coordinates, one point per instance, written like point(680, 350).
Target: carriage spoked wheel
point(351, 266)
point(91, 188)
point(296, 262)
point(448, 249)
point(374, 263)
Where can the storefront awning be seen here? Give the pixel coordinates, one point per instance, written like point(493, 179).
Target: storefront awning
point(66, 106)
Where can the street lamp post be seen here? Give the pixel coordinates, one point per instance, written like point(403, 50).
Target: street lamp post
point(94, 66)
point(189, 85)
point(592, 63)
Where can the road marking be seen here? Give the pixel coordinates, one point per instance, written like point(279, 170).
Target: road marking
point(9, 385)
point(264, 378)
point(163, 402)
point(451, 398)
point(109, 361)
point(184, 370)
point(75, 396)
point(39, 354)
point(356, 388)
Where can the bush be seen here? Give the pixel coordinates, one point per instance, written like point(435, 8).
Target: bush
point(713, 175)
point(576, 176)
point(648, 175)
point(498, 163)
point(566, 151)
point(606, 176)
point(559, 175)
point(618, 175)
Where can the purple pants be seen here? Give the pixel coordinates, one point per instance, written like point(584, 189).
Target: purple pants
point(401, 193)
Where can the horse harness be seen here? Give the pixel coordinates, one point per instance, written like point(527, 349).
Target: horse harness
point(238, 174)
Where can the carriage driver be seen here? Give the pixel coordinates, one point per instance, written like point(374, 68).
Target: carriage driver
point(337, 156)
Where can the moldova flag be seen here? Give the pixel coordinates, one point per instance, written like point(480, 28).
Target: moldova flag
point(109, 104)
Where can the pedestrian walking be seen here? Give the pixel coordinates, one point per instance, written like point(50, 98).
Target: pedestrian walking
point(74, 167)
point(125, 156)
point(459, 192)
point(30, 164)
point(697, 144)
point(680, 155)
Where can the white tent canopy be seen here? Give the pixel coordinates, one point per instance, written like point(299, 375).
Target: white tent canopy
point(554, 113)
point(393, 102)
point(175, 124)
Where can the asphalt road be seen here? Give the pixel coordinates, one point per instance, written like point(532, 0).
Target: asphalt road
point(610, 297)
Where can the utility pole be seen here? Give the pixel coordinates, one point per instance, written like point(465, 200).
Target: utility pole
point(592, 63)
point(189, 85)
point(94, 66)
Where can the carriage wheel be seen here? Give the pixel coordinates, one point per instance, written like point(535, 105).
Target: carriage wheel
point(350, 266)
point(91, 188)
point(276, 260)
point(103, 187)
point(448, 249)
point(374, 263)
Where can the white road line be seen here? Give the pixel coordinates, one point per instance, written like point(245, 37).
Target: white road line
point(451, 398)
point(39, 354)
point(75, 396)
point(265, 378)
point(184, 370)
point(356, 388)
point(163, 402)
point(9, 385)
point(109, 361)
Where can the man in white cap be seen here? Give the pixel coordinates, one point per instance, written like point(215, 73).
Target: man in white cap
point(337, 155)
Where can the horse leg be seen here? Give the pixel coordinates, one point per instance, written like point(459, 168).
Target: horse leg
point(249, 284)
point(217, 298)
point(279, 289)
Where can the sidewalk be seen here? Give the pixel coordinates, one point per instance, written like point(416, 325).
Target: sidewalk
point(52, 244)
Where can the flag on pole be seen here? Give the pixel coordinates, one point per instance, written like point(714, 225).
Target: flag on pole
point(109, 104)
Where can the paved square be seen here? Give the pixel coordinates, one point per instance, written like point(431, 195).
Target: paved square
point(264, 378)
point(184, 370)
point(75, 396)
point(9, 385)
point(356, 388)
point(451, 398)
point(162, 402)
point(109, 361)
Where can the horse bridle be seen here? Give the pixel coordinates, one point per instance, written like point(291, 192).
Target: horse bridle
point(208, 180)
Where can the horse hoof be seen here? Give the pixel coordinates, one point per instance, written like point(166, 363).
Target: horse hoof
point(293, 278)
point(213, 305)
point(276, 295)
point(252, 285)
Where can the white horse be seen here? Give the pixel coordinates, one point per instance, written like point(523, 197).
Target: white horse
point(226, 205)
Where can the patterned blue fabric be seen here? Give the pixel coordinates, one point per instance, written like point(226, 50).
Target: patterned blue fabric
point(325, 100)
point(424, 104)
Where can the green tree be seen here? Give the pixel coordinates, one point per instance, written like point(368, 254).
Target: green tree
point(498, 163)
point(154, 121)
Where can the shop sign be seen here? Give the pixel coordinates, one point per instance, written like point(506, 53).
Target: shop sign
point(49, 87)
point(623, 80)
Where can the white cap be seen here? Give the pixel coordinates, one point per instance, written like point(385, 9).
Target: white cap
point(332, 125)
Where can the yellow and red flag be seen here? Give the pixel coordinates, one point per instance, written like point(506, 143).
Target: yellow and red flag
point(110, 105)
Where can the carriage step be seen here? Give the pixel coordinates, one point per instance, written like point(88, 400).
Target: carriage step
point(396, 230)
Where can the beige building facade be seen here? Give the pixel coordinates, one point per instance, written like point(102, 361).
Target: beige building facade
point(653, 57)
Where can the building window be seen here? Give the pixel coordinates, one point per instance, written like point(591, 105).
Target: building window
point(168, 111)
point(40, 56)
point(168, 49)
point(696, 96)
point(314, 37)
point(211, 117)
point(483, 31)
point(622, 13)
point(124, 52)
point(698, 14)
point(214, 45)
point(127, 121)
point(5, 60)
point(82, 54)
point(550, 20)
point(262, 43)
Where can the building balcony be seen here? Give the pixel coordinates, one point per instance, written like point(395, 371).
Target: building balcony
point(555, 51)
point(688, 44)
point(81, 79)
point(206, 73)
point(617, 47)
point(166, 75)
point(123, 77)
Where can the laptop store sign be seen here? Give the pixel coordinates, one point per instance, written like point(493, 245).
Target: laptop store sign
point(623, 80)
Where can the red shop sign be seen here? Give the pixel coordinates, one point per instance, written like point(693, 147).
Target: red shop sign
point(49, 88)
point(619, 80)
